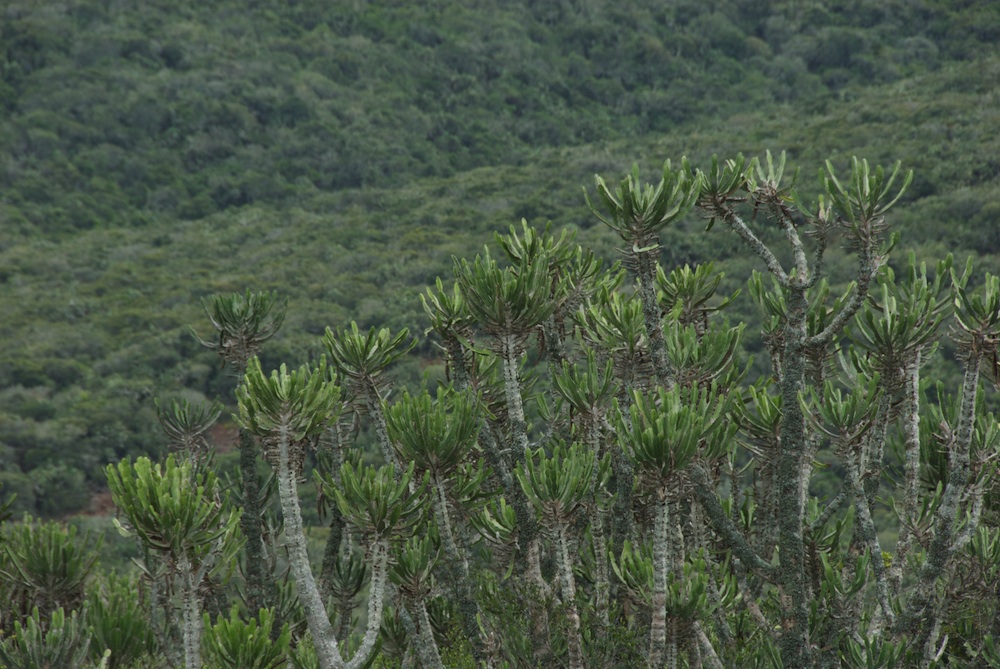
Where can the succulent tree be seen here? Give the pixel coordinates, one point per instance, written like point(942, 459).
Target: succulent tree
point(508, 304)
point(667, 432)
point(558, 486)
point(857, 211)
point(637, 212)
point(698, 518)
point(177, 512)
point(186, 425)
point(413, 575)
point(977, 334)
point(383, 507)
point(362, 360)
point(438, 437)
point(288, 410)
point(243, 323)
point(589, 392)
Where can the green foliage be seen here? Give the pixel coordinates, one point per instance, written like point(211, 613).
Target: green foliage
point(174, 508)
point(45, 566)
point(507, 301)
point(635, 571)
point(414, 567)
point(447, 311)
point(558, 485)
point(297, 405)
point(686, 293)
point(589, 390)
point(365, 357)
point(436, 435)
point(637, 212)
point(670, 428)
point(118, 622)
point(977, 313)
point(186, 425)
point(868, 195)
point(56, 643)
point(235, 644)
point(243, 324)
point(904, 316)
point(375, 502)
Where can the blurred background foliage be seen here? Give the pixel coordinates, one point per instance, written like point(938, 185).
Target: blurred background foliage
point(155, 153)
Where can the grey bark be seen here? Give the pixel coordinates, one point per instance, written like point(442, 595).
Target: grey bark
point(324, 638)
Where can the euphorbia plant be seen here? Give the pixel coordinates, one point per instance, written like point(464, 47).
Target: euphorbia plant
point(669, 431)
point(177, 511)
point(243, 324)
point(383, 507)
point(558, 486)
point(438, 437)
point(288, 410)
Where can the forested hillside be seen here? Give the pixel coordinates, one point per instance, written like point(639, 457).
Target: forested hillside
point(155, 153)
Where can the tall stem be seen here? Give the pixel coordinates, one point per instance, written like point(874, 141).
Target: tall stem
point(911, 471)
point(192, 615)
point(658, 623)
point(379, 560)
point(327, 651)
point(913, 620)
point(250, 524)
point(510, 355)
point(338, 525)
point(794, 643)
point(427, 648)
point(374, 403)
point(573, 640)
point(868, 536)
point(646, 275)
point(602, 586)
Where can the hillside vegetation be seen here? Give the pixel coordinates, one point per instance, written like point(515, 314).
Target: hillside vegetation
point(156, 153)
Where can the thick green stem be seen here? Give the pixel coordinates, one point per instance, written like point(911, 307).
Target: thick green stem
point(913, 621)
point(646, 275)
point(573, 641)
point(658, 623)
point(378, 558)
point(327, 650)
point(250, 523)
point(794, 643)
point(192, 614)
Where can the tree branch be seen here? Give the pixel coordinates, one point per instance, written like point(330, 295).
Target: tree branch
point(724, 526)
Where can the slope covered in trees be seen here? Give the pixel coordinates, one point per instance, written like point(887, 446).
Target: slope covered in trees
point(158, 153)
